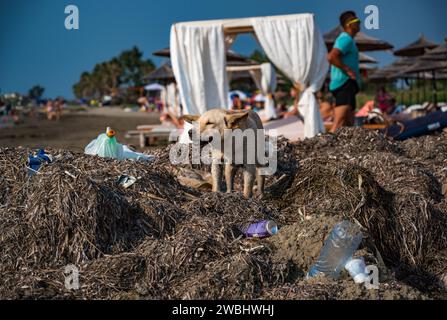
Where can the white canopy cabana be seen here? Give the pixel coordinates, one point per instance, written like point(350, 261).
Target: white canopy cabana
point(154, 87)
point(293, 43)
point(242, 95)
point(264, 77)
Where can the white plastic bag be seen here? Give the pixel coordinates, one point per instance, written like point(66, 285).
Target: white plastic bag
point(129, 154)
point(106, 147)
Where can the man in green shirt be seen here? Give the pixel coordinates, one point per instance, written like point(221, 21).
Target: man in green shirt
point(345, 72)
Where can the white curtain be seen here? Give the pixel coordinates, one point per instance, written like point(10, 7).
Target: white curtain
point(198, 58)
point(268, 87)
point(265, 80)
point(256, 75)
point(172, 99)
point(164, 98)
point(296, 46)
point(198, 61)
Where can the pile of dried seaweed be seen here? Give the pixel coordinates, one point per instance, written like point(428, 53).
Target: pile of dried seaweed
point(393, 191)
point(160, 239)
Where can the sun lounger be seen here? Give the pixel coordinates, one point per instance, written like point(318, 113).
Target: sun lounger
point(147, 133)
point(291, 128)
point(418, 127)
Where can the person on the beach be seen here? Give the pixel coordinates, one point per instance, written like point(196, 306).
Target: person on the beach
point(51, 110)
point(326, 107)
point(236, 102)
point(345, 71)
point(384, 101)
point(58, 106)
point(293, 109)
point(144, 103)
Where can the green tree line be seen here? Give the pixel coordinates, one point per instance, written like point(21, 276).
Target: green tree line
point(126, 70)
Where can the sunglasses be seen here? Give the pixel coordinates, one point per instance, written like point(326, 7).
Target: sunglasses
point(353, 21)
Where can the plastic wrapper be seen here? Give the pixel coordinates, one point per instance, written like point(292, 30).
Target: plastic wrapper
point(106, 147)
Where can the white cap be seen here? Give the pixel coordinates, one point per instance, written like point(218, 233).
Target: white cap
point(360, 278)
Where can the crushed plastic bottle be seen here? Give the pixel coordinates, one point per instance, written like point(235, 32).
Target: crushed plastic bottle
point(338, 249)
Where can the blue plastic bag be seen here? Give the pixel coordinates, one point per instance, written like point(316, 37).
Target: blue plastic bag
point(35, 161)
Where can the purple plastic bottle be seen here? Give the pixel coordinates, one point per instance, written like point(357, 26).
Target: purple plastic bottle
point(261, 229)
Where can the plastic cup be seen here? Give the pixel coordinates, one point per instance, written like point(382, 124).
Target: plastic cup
point(356, 269)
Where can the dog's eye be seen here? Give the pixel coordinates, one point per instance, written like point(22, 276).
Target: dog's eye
point(208, 123)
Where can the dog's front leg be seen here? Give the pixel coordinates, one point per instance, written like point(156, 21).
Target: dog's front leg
point(249, 179)
point(230, 171)
point(260, 179)
point(216, 173)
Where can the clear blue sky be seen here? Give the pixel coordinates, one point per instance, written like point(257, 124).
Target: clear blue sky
point(35, 47)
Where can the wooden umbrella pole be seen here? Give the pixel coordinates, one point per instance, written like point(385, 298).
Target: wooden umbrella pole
point(425, 91)
point(435, 96)
point(402, 87)
point(418, 88)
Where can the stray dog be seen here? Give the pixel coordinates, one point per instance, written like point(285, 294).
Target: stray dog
point(218, 120)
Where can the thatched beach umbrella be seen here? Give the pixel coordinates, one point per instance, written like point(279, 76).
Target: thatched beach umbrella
point(439, 53)
point(416, 48)
point(231, 55)
point(394, 70)
point(434, 61)
point(163, 74)
point(363, 58)
point(364, 42)
point(427, 65)
point(366, 66)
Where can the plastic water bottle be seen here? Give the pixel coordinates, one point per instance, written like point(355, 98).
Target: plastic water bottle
point(261, 229)
point(337, 250)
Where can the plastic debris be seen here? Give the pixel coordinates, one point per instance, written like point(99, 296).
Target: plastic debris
point(261, 229)
point(356, 269)
point(337, 250)
point(106, 146)
point(36, 160)
point(126, 181)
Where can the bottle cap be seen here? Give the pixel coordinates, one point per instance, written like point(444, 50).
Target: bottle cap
point(109, 132)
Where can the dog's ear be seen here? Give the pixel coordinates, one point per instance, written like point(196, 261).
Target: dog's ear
point(190, 118)
point(233, 120)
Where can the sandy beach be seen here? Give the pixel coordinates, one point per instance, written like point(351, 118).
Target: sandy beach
point(75, 129)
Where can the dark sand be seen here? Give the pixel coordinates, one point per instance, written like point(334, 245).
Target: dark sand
point(75, 129)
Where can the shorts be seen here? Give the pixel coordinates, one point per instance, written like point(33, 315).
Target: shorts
point(345, 95)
